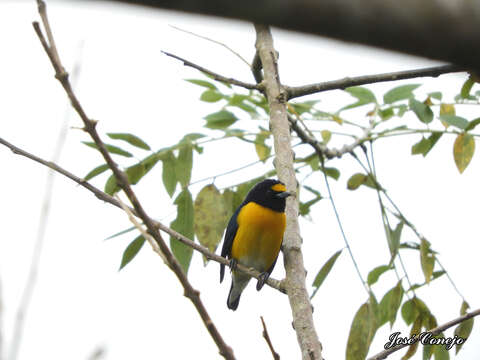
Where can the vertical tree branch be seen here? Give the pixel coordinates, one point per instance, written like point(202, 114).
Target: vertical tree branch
point(292, 254)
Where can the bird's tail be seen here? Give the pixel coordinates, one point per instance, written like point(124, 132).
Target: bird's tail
point(239, 282)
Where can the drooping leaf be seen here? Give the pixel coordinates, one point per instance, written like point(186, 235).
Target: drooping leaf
point(211, 96)
point(184, 224)
point(332, 172)
point(374, 274)
point(362, 331)
point(131, 139)
point(440, 352)
point(203, 83)
point(184, 164)
point(97, 171)
point(387, 113)
point(132, 250)
point(423, 112)
point(409, 311)
point(463, 150)
point(210, 217)
point(416, 328)
point(169, 176)
point(427, 260)
point(390, 304)
point(112, 149)
point(356, 180)
point(454, 120)
point(421, 147)
point(399, 93)
point(324, 271)
point(464, 329)
point(326, 136)
point(220, 120)
point(135, 173)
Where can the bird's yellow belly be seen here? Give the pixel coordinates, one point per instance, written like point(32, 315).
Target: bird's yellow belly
point(259, 236)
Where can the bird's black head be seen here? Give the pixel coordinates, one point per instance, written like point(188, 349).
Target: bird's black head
point(269, 193)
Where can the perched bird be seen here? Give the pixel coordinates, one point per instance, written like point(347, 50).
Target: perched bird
point(254, 235)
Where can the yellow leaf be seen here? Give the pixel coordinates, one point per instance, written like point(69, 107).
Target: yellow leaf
point(338, 119)
point(463, 150)
point(446, 109)
point(326, 135)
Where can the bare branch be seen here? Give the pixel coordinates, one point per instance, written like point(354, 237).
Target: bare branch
point(276, 284)
point(384, 354)
point(441, 30)
point(269, 342)
point(293, 258)
point(122, 180)
point(215, 42)
point(215, 75)
point(436, 71)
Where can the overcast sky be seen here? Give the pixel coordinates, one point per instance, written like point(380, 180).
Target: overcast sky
point(82, 302)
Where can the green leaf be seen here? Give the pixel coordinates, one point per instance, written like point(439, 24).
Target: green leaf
point(464, 329)
point(326, 136)
point(188, 138)
point(390, 304)
point(426, 144)
point(440, 352)
point(416, 328)
point(169, 177)
point(132, 250)
point(409, 311)
point(263, 151)
point(331, 172)
point(363, 95)
point(466, 87)
point(131, 139)
point(211, 96)
point(356, 180)
point(362, 331)
point(220, 120)
point(423, 112)
point(97, 171)
point(374, 275)
point(472, 124)
point(324, 271)
point(210, 217)
point(184, 164)
point(184, 224)
point(111, 186)
point(399, 93)
point(436, 95)
point(112, 149)
point(427, 260)
point(456, 121)
point(120, 233)
point(387, 113)
point(463, 150)
point(135, 173)
point(203, 83)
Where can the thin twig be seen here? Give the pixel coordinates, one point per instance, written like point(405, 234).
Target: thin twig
point(30, 283)
point(269, 342)
point(142, 230)
point(276, 284)
point(298, 91)
point(214, 41)
point(216, 76)
point(384, 354)
point(122, 180)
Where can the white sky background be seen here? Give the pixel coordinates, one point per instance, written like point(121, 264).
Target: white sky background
point(81, 300)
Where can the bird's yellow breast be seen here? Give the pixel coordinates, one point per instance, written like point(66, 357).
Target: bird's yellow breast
point(259, 236)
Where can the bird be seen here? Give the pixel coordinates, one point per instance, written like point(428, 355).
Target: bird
point(254, 236)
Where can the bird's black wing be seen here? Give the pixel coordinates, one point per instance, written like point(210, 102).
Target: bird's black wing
point(230, 233)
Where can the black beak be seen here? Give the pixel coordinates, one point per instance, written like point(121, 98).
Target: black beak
point(283, 195)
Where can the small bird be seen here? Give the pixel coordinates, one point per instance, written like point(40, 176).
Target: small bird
point(254, 235)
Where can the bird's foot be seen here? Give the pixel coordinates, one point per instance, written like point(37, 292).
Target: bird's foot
point(233, 264)
point(262, 280)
